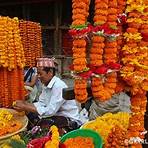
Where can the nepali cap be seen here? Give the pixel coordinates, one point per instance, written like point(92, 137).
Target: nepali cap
point(45, 62)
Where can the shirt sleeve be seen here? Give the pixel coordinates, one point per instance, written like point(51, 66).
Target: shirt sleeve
point(53, 105)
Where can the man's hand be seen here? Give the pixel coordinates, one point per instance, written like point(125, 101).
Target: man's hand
point(20, 105)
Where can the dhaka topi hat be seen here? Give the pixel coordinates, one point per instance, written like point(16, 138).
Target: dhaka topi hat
point(45, 62)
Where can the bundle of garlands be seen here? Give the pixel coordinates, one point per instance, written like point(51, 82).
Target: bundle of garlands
point(135, 60)
point(12, 62)
point(31, 39)
point(104, 53)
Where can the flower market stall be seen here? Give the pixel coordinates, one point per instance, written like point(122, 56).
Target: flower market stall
point(117, 61)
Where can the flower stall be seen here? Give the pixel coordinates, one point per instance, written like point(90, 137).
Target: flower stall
point(117, 61)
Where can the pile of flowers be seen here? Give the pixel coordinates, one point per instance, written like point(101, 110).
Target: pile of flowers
point(7, 123)
point(81, 142)
point(104, 124)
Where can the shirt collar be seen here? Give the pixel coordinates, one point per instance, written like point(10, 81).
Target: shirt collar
point(52, 81)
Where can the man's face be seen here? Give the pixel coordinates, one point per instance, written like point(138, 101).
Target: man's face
point(44, 76)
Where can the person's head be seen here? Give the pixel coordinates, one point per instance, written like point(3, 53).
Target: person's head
point(45, 69)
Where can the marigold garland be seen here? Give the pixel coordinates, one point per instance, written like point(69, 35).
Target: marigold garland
point(12, 53)
point(104, 51)
point(135, 65)
point(80, 14)
point(30, 33)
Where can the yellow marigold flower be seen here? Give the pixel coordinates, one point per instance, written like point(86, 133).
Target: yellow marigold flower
point(136, 36)
point(133, 6)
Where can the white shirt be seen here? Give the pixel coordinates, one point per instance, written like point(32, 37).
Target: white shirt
point(51, 102)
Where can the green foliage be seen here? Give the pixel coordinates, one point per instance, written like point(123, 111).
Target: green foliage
point(27, 136)
point(17, 144)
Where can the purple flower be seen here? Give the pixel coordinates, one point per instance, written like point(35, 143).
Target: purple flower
point(35, 129)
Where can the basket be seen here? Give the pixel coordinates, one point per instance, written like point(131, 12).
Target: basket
point(97, 140)
point(21, 118)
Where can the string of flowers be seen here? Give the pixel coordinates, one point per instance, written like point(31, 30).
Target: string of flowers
point(138, 108)
point(31, 39)
point(135, 52)
point(12, 61)
point(103, 53)
point(79, 31)
point(12, 54)
point(134, 71)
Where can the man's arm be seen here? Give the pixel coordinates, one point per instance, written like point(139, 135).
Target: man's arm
point(24, 106)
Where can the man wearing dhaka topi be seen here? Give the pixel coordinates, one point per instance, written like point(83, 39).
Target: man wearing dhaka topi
point(50, 108)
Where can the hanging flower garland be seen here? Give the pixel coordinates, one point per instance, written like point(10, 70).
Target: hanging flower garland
point(103, 53)
point(134, 71)
point(12, 53)
point(79, 30)
point(135, 50)
point(138, 108)
point(31, 39)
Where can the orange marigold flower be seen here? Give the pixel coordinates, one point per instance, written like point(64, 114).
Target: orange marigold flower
point(101, 12)
point(96, 50)
point(78, 22)
point(101, 5)
point(79, 17)
point(97, 39)
point(98, 18)
point(112, 17)
point(132, 30)
point(112, 10)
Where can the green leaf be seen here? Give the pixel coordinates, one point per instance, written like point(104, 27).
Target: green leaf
point(79, 27)
point(99, 23)
point(17, 144)
point(113, 27)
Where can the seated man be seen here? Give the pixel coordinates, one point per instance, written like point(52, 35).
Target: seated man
point(51, 106)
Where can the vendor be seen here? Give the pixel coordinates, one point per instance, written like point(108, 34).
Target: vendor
point(51, 104)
